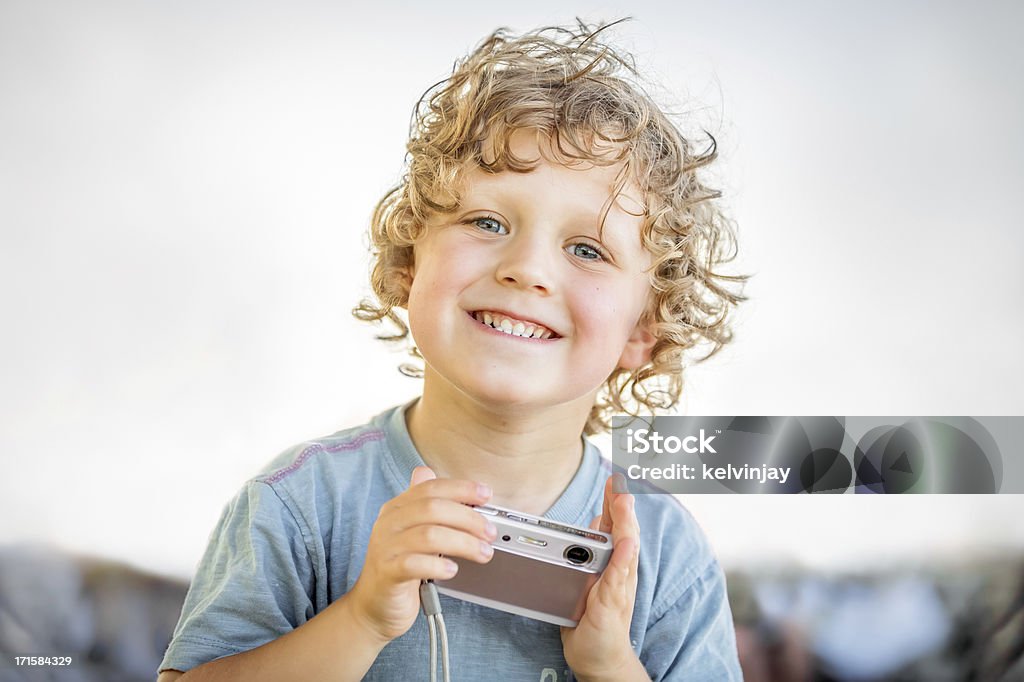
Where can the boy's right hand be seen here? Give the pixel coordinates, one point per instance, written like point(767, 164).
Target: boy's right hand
point(412, 529)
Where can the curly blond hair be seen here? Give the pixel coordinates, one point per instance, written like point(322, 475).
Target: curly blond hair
point(586, 98)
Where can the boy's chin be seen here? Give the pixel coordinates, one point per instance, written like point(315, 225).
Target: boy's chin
point(513, 402)
point(512, 390)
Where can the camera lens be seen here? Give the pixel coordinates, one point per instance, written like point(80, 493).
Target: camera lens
point(578, 555)
point(506, 538)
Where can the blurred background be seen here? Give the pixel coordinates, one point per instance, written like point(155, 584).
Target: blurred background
point(184, 190)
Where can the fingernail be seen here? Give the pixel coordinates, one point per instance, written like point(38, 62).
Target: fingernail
point(491, 530)
point(485, 549)
point(483, 490)
point(450, 567)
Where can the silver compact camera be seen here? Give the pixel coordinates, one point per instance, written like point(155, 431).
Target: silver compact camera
point(541, 569)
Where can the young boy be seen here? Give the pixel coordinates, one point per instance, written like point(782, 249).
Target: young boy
point(553, 248)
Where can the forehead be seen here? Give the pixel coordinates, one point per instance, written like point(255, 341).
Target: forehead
point(603, 189)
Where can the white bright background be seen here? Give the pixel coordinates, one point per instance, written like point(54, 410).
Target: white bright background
point(184, 188)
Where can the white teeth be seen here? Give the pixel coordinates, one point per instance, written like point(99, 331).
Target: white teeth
point(517, 328)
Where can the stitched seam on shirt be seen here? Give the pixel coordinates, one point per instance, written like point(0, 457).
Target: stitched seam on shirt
point(670, 600)
point(208, 641)
point(348, 445)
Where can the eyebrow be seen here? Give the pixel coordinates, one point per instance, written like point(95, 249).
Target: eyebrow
point(627, 204)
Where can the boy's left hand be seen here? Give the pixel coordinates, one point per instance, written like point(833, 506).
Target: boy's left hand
point(599, 647)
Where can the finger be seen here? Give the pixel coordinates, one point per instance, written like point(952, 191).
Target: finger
point(626, 524)
point(595, 523)
point(606, 515)
point(421, 474)
point(614, 581)
point(632, 579)
point(622, 555)
point(447, 541)
point(457, 489)
point(622, 515)
point(439, 511)
point(423, 567)
point(633, 524)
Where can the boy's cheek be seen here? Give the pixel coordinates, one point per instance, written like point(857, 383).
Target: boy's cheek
point(599, 311)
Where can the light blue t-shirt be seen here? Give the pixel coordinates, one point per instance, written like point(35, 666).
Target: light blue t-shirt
point(294, 540)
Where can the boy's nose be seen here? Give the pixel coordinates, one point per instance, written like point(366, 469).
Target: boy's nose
point(525, 263)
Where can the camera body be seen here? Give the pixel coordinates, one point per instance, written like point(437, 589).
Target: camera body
point(541, 569)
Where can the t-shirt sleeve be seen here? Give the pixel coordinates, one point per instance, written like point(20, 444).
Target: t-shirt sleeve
point(252, 585)
point(694, 639)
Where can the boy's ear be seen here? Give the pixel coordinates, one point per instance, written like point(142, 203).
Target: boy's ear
point(406, 274)
point(410, 263)
point(637, 352)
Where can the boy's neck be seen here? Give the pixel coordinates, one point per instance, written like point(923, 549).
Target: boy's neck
point(528, 458)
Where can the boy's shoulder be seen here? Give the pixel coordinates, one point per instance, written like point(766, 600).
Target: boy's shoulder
point(340, 460)
point(339, 448)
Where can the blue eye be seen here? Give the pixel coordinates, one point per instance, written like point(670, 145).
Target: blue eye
point(489, 224)
point(586, 251)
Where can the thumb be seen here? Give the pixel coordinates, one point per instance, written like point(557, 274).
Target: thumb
point(421, 474)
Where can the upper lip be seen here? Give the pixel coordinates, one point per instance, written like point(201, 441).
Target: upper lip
point(516, 316)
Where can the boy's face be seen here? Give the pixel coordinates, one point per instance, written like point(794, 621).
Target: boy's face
point(526, 247)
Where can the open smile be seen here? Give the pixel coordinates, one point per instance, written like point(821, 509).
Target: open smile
point(502, 323)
